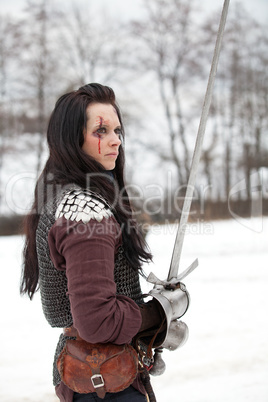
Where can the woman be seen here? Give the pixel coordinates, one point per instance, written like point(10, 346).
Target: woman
point(82, 247)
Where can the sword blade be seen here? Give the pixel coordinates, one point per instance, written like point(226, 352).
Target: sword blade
point(176, 255)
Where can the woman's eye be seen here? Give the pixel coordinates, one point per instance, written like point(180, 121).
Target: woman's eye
point(118, 131)
point(101, 130)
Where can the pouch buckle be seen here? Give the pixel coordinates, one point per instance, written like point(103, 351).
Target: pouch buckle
point(95, 380)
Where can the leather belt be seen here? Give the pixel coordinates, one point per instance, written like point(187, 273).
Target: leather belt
point(72, 331)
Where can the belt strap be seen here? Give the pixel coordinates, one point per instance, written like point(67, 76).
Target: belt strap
point(72, 331)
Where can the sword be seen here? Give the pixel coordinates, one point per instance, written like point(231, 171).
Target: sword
point(176, 255)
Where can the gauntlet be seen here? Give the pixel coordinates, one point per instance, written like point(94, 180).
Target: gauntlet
point(160, 325)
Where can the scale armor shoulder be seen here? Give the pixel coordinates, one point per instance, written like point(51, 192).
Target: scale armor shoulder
point(82, 205)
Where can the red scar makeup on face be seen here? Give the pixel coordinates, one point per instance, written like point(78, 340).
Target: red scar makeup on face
point(99, 122)
point(96, 134)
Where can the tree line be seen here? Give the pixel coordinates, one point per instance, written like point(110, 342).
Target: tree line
point(158, 65)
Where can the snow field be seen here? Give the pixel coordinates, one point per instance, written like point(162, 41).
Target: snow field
point(226, 356)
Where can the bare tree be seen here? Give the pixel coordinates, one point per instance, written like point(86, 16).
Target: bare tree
point(168, 36)
point(91, 45)
point(243, 85)
point(40, 80)
point(236, 135)
point(9, 36)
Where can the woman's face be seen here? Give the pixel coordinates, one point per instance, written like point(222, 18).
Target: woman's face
point(102, 134)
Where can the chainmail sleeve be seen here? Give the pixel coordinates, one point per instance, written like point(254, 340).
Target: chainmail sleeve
point(52, 282)
point(126, 279)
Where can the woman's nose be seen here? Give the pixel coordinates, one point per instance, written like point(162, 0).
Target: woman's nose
point(116, 139)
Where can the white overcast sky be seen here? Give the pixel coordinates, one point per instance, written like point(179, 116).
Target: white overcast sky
point(128, 8)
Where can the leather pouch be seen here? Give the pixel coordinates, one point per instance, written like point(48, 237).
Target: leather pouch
point(85, 367)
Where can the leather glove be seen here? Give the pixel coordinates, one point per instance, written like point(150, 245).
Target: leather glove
point(152, 315)
point(153, 326)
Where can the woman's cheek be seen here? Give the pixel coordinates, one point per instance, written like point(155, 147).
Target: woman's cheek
point(98, 136)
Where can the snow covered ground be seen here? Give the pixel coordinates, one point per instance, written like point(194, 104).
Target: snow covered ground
point(226, 356)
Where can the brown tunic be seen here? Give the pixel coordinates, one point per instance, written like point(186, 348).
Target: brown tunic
point(87, 253)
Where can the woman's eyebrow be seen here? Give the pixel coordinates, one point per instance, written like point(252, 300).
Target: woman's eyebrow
point(105, 123)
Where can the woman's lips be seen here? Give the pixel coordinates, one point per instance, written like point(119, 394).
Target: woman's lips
point(112, 154)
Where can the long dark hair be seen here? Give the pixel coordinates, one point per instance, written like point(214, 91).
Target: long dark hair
point(69, 164)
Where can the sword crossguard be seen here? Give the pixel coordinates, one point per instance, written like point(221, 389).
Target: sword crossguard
point(152, 278)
